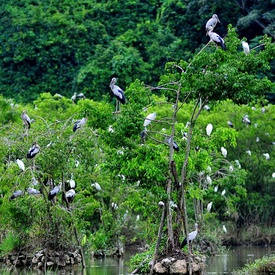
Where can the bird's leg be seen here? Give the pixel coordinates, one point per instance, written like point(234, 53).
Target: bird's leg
point(116, 105)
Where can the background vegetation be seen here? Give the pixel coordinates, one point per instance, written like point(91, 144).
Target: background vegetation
point(72, 47)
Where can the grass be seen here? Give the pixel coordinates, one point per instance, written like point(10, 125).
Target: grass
point(265, 265)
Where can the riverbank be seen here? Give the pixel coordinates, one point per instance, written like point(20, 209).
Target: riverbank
point(265, 265)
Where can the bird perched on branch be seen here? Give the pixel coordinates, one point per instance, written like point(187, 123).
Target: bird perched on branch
point(79, 123)
point(20, 164)
point(26, 119)
point(118, 93)
point(209, 129)
point(216, 39)
point(16, 194)
point(246, 48)
point(230, 124)
point(246, 120)
point(191, 236)
point(33, 191)
point(175, 145)
point(54, 192)
point(149, 119)
point(211, 23)
point(33, 151)
point(70, 195)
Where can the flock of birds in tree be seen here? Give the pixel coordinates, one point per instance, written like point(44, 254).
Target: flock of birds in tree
point(118, 93)
point(216, 38)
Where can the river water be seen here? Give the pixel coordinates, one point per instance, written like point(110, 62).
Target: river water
point(224, 263)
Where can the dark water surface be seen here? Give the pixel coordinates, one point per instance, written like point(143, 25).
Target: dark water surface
point(224, 263)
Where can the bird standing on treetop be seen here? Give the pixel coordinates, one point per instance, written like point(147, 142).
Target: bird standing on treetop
point(216, 39)
point(26, 119)
point(79, 123)
point(191, 236)
point(117, 92)
point(212, 22)
point(33, 150)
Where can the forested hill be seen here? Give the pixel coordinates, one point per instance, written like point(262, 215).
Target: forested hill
point(77, 46)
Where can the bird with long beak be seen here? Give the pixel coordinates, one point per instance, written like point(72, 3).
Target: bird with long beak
point(216, 38)
point(211, 23)
point(118, 93)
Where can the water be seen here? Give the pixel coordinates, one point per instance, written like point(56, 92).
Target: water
point(225, 263)
point(236, 258)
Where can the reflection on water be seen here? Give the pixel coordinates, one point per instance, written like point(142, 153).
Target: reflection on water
point(232, 259)
point(236, 258)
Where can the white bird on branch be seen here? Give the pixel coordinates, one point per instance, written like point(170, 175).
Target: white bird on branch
point(246, 48)
point(149, 119)
point(209, 129)
point(224, 152)
point(20, 164)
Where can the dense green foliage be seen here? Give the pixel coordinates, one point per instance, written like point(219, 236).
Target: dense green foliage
point(260, 266)
point(51, 49)
point(77, 46)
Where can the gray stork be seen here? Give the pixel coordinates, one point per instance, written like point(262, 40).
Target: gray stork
point(33, 191)
point(230, 124)
point(117, 92)
point(216, 39)
point(33, 151)
point(54, 192)
point(211, 23)
point(246, 120)
point(191, 236)
point(16, 194)
point(79, 123)
point(175, 145)
point(26, 119)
